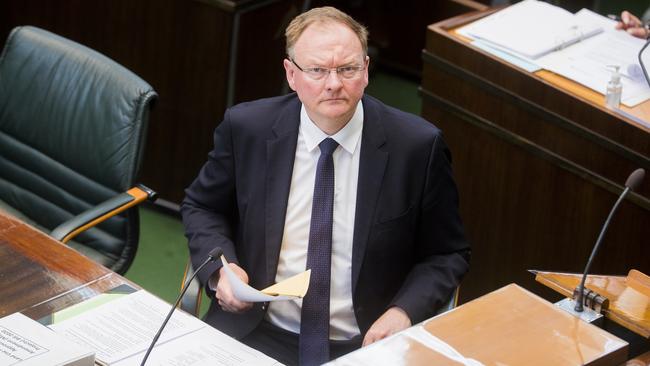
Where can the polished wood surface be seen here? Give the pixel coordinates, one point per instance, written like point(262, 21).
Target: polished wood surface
point(538, 165)
point(510, 326)
point(641, 111)
point(39, 275)
point(629, 296)
point(200, 56)
point(641, 360)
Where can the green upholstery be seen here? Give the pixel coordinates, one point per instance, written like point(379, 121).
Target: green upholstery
point(72, 129)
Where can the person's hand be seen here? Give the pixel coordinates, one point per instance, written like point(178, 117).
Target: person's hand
point(391, 322)
point(632, 25)
point(224, 295)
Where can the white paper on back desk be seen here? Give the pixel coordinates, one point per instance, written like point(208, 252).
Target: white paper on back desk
point(531, 28)
point(26, 342)
point(120, 332)
point(589, 61)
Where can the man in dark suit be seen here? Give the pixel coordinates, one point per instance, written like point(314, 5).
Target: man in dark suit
point(382, 206)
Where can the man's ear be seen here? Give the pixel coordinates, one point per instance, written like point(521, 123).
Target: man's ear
point(290, 72)
point(366, 72)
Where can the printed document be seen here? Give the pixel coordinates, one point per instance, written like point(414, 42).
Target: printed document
point(590, 62)
point(26, 342)
point(532, 28)
point(205, 347)
point(121, 330)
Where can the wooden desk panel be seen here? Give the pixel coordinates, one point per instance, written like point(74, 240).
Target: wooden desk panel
point(519, 328)
point(629, 296)
point(509, 326)
point(538, 166)
point(39, 275)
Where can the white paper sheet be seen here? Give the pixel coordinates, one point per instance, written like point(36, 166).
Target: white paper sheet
point(587, 63)
point(244, 292)
point(125, 327)
point(26, 342)
point(377, 354)
point(532, 28)
point(205, 347)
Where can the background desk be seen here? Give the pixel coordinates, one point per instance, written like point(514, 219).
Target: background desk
point(39, 275)
point(539, 162)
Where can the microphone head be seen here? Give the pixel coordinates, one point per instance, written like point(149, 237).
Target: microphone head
point(215, 253)
point(635, 179)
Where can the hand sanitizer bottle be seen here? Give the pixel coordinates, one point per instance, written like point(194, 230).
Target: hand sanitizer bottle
point(614, 89)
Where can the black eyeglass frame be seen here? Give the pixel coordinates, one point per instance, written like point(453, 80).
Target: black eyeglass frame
point(329, 70)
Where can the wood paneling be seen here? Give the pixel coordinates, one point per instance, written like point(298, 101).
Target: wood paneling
point(184, 49)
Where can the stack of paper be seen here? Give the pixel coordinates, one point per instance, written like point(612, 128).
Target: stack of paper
point(25, 342)
point(589, 62)
point(581, 47)
point(532, 28)
point(120, 331)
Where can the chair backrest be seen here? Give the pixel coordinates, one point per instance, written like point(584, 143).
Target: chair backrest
point(72, 129)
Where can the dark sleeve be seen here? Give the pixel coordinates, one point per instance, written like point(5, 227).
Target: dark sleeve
point(209, 209)
point(441, 248)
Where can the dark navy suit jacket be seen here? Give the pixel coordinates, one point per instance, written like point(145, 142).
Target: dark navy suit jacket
point(409, 248)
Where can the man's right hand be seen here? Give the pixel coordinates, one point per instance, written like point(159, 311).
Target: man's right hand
point(224, 295)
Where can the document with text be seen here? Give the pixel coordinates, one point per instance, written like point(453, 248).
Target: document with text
point(205, 347)
point(590, 62)
point(532, 28)
point(121, 331)
point(26, 342)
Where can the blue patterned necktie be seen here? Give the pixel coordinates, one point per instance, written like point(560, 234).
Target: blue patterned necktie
point(315, 316)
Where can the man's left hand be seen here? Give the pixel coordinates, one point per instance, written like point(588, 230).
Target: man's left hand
point(391, 322)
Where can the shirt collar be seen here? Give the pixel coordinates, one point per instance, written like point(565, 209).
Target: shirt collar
point(348, 137)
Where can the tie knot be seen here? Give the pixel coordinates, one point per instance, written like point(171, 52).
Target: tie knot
point(328, 146)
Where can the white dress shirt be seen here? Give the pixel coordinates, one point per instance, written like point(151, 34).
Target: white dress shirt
point(295, 239)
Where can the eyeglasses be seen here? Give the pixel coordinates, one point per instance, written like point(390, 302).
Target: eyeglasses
point(319, 73)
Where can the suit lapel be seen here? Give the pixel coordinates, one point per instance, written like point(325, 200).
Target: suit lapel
point(280, 154)
point(372, 164)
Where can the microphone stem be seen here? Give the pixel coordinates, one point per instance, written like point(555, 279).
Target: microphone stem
point(581, 289)
point(169, 315)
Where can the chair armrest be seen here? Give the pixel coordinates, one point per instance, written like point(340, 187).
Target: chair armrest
point(102, 212)
point(191, 301)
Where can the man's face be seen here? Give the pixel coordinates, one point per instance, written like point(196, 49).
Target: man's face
point(332, 99)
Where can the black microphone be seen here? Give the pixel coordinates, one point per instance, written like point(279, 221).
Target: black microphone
point(213, 255)
point(632, 183)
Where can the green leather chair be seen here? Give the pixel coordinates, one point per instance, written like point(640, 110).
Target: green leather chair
point(72, 130)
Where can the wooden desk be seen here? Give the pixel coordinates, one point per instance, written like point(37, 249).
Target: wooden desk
point(39, 275)
point(629, 296)
point(539, 161)
point(509, 326)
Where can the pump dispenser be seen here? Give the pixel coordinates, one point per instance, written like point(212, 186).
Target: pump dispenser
point(614, 89)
